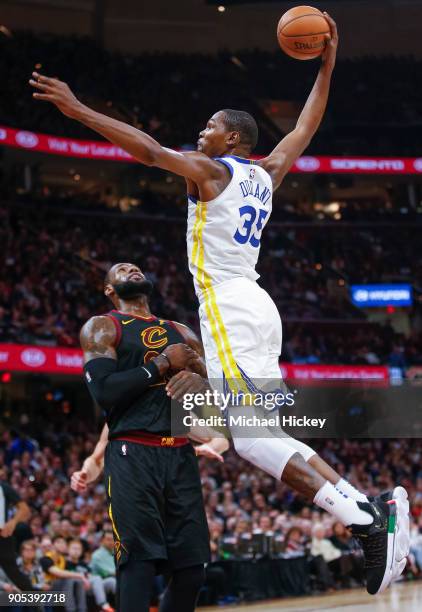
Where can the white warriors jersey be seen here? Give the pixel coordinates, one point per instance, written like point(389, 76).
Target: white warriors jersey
point(224, 234)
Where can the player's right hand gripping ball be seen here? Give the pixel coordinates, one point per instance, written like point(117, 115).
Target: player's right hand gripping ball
point(302, 32)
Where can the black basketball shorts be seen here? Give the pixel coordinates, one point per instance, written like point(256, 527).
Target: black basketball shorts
point(155, 504)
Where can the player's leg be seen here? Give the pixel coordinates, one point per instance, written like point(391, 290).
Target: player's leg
point(272, 341)
point(324, 469)
point(183, 589)
point(136, 585)
point(187, 532)
point(242, 335)
point(382, 528)
point(238, 345)
point(327, 472)
point(134, 479)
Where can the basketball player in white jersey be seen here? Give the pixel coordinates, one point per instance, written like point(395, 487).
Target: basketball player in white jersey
point(230, 201)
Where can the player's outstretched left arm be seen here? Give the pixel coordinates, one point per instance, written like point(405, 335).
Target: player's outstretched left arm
point(281, 159)
point(193, 165)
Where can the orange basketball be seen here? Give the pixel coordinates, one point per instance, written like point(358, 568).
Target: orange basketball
point(301, 32)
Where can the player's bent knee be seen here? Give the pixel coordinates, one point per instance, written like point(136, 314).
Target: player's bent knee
point(269, 454)
point(303, 449)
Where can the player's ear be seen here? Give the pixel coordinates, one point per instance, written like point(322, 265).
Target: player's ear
point(233, 139)
point(108, 290)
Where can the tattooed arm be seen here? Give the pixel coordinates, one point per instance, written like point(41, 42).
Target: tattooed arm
point(111, 387)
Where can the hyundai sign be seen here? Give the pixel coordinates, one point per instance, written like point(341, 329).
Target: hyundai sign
point(366, 296)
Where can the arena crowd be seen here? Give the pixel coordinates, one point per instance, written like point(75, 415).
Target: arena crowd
point(73, 531)
point(53, 270)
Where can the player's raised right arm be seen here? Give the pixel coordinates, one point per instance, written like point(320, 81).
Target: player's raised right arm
point(280, 160)
point(141, 146)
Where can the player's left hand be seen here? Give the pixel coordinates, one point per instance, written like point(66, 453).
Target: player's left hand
point(55, 91)
point(79, 481)
point(206, 450)
point(331, 44)
point(8, 529)
point(185, 382)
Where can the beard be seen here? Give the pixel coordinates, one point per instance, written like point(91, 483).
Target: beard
point(130, 290)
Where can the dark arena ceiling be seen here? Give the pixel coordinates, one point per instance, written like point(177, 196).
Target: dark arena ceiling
point(367, 27)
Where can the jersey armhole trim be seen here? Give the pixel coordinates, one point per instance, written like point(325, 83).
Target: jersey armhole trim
point(118, 329)
point(231, 170)
point(173, 325)
point(226, 163)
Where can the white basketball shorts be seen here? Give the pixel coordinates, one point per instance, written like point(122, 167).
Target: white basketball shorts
point(242, 334)
point(241, 331)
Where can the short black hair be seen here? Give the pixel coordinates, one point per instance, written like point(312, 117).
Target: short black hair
point(242, 122)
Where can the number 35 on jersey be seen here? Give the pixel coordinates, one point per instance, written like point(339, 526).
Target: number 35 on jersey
point(252, 215)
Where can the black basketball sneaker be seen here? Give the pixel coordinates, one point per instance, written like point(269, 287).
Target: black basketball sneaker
point(385, 541)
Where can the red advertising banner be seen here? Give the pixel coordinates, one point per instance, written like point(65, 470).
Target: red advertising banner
point(92, 149)
point(359, 165)
point(315, 373)
point(45, 143)
point(28, 358)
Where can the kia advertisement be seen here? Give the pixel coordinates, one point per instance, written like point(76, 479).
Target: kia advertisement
point(24, 358)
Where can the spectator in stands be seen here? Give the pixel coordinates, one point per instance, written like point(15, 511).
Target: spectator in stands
point(99, 586)
point(397, 357)
point(343, 541)
point(338, 563)
point(10, 500)
point(294, 543)
point(30, 565)
point(73, 264)
point(102, 562)
point(416, 543)
point(74, 584)
point(366, 463)
point(241, 527)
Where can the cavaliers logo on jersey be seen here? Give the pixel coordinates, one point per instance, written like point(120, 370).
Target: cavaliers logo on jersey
point(154, 337)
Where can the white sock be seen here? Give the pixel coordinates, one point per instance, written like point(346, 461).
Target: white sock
point(342, 507)
point(350, 490)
